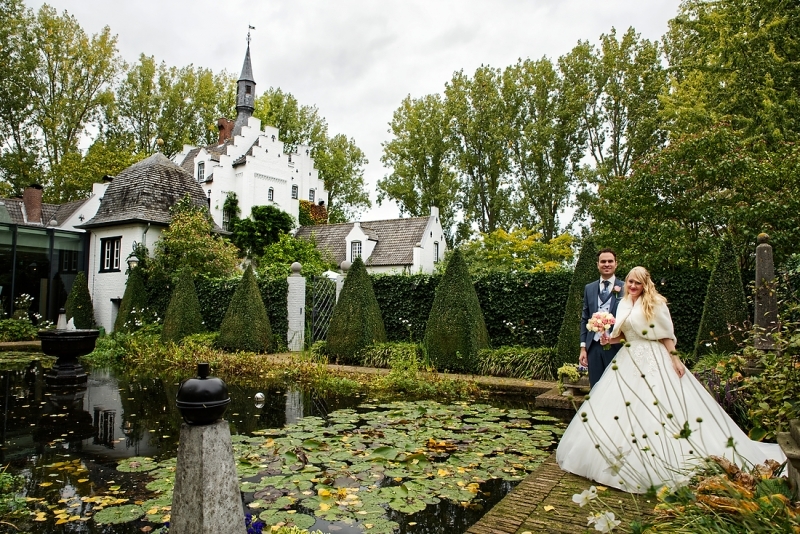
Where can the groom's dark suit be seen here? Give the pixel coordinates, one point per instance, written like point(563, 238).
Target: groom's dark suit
point(598, 358)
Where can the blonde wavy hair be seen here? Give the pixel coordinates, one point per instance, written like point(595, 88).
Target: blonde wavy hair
point(650, 296)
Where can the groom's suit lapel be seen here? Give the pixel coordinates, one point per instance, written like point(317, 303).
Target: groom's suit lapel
point(616, 298)
point(594, 293)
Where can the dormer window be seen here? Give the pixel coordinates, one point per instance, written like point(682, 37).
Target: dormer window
point(271, 194)
point(355, 250)
point(311, 194)
point(294, 192)
point(201, 171)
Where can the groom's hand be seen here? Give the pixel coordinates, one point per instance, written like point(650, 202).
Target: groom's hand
point(583, 359)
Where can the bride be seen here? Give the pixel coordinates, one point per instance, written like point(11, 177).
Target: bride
point(649, 422)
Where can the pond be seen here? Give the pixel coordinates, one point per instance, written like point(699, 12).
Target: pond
point(101, 459)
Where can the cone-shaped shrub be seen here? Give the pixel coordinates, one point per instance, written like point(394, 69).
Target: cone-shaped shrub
point(725, 309)
point(133, 300)
point(79, 303)
point(569, 337)
point(246, 325)
point(456, 330)
point(183, 313)
point(356, 321)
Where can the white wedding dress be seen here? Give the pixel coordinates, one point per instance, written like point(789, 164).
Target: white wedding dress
point(643, 426)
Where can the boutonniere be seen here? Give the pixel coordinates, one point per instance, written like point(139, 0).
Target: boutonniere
point(616, 291)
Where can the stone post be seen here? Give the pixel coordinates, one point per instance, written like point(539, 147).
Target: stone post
point(766, 303)
point(344, 266)
point(790, 444)
point(296, 308)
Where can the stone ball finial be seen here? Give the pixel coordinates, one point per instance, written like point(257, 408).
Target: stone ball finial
point(345, 266)
point(763, 238)
point(296, 267)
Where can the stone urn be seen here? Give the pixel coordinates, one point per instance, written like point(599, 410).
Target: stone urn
point(67, 346)
point(577, 388)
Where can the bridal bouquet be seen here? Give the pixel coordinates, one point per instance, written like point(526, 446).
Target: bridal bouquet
point(601, 322)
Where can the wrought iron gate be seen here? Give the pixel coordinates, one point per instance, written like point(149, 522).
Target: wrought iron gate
point(323, 299)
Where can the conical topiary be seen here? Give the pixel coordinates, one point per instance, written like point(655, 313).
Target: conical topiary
point(725, 309)
point(183, 315)
point(456, 330)
point(79, 303)
point(569, 337)
point(134, 302)
point(356, 321)
point(246, 324)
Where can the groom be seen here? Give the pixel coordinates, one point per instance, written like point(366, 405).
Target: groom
point(600, 295)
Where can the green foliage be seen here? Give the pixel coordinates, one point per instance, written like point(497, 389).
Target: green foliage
point(79, 303)
point(246, 325)
point(517, 362)
point(456, 330)
point(278, 258)
point(356, 320)
point(134, 301)
point(685, 291)
point(772, 396)
point(311, 214)
point(263, 228)
point(382, 354)
point(569, 336)
point(725, 311)
point(405, 302)
point(341, 168)
point(520, 250)
point(17, 330)
point(183, 316)
point(12, 503)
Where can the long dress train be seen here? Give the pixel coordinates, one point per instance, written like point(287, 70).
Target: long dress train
point(642, 426)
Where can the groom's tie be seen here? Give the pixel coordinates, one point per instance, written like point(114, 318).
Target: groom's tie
point(604, 293)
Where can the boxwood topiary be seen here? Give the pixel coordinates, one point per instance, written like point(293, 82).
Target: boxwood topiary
point(456, 330)
point(246, 325)
point(356, 320)
point(133, 300)
point(569, 336)
point(183, 315)
point(725, 309)
point(79, 303)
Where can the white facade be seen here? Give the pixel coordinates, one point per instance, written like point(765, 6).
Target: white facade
point(255, 167)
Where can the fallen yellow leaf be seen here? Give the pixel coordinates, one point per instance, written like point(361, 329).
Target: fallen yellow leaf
point(549, 508)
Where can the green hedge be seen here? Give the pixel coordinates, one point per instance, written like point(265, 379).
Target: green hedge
point(405, 302)
point(685, 291)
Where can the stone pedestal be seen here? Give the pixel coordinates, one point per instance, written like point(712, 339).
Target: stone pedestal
point(578, 388)
point(206, 499)
point(296, 309)
point(790, 444)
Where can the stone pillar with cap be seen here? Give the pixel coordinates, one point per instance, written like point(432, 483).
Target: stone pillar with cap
point(296, 308)
point(344, 266)
point(206, 499)
point(766, 302)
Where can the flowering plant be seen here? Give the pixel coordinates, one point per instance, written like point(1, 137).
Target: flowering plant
point(600, 322)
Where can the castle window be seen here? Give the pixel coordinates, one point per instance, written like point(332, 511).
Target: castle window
point(271, 194)
point(311, 193)
point(247, 89)
point(294, 192)
point(355, 250)
point(110, 252)
point(201, 171)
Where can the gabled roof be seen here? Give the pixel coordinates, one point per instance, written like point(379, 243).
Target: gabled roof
point(50, 212)
point(144, 192)
point(395, 239)
point(215, 150)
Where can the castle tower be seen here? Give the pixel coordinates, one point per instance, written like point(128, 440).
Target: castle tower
point(245, 93)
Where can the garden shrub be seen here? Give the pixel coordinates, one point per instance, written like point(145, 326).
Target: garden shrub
point(79, 303)
point(569, 336)
point(356, 320)
point(405, 302)
point(246, 325)
point(725, 310)
point(134, 301)
point(456, 330)
point(685, 291)
point(382, 354)
point(183, 313)
point(517, 362)
point(17, 330)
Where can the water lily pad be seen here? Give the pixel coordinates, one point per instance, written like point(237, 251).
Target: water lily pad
point(137, 464)
point(115, 515)
point(285, 518)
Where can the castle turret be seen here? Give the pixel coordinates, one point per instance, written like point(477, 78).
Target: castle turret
point(245, 93)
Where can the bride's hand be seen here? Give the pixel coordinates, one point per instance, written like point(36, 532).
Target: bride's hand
point(677, 364)
point(604, 339)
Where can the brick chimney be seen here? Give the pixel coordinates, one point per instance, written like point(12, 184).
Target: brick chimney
point(32, 200)
point(225, 128)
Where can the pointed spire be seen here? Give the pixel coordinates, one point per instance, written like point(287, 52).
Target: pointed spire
point(245, 92)
point(247, 68)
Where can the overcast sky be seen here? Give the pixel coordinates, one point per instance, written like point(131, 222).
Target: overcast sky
point(357, 59)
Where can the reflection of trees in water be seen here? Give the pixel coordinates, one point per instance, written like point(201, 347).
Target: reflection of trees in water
point(148, 408)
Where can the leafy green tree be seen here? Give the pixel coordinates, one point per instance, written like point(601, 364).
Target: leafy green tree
point(341, 167)
point(516, 251)
point(183, 315)
point(246, 324)
point(725, 310)
point(190, 243)
point(480, 146)
point(134, 302)
point(297, 124)
point(79, 303)
point(456, 330)
point(569, 336)
point(279, 256)
point(264, 227)
point(419, 156)
point(356, 321)
point(546, 140)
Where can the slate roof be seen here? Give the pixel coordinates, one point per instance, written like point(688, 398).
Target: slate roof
point(395, 239)
point(215, 150)
point(57, 212)
point(144, 192)
point(247, 68)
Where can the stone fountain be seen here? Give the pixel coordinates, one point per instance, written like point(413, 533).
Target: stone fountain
point(67, 344)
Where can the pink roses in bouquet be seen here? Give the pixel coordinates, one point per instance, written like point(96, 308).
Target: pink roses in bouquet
point(601, 322)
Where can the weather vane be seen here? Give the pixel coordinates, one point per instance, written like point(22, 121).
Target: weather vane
point(248, 33)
